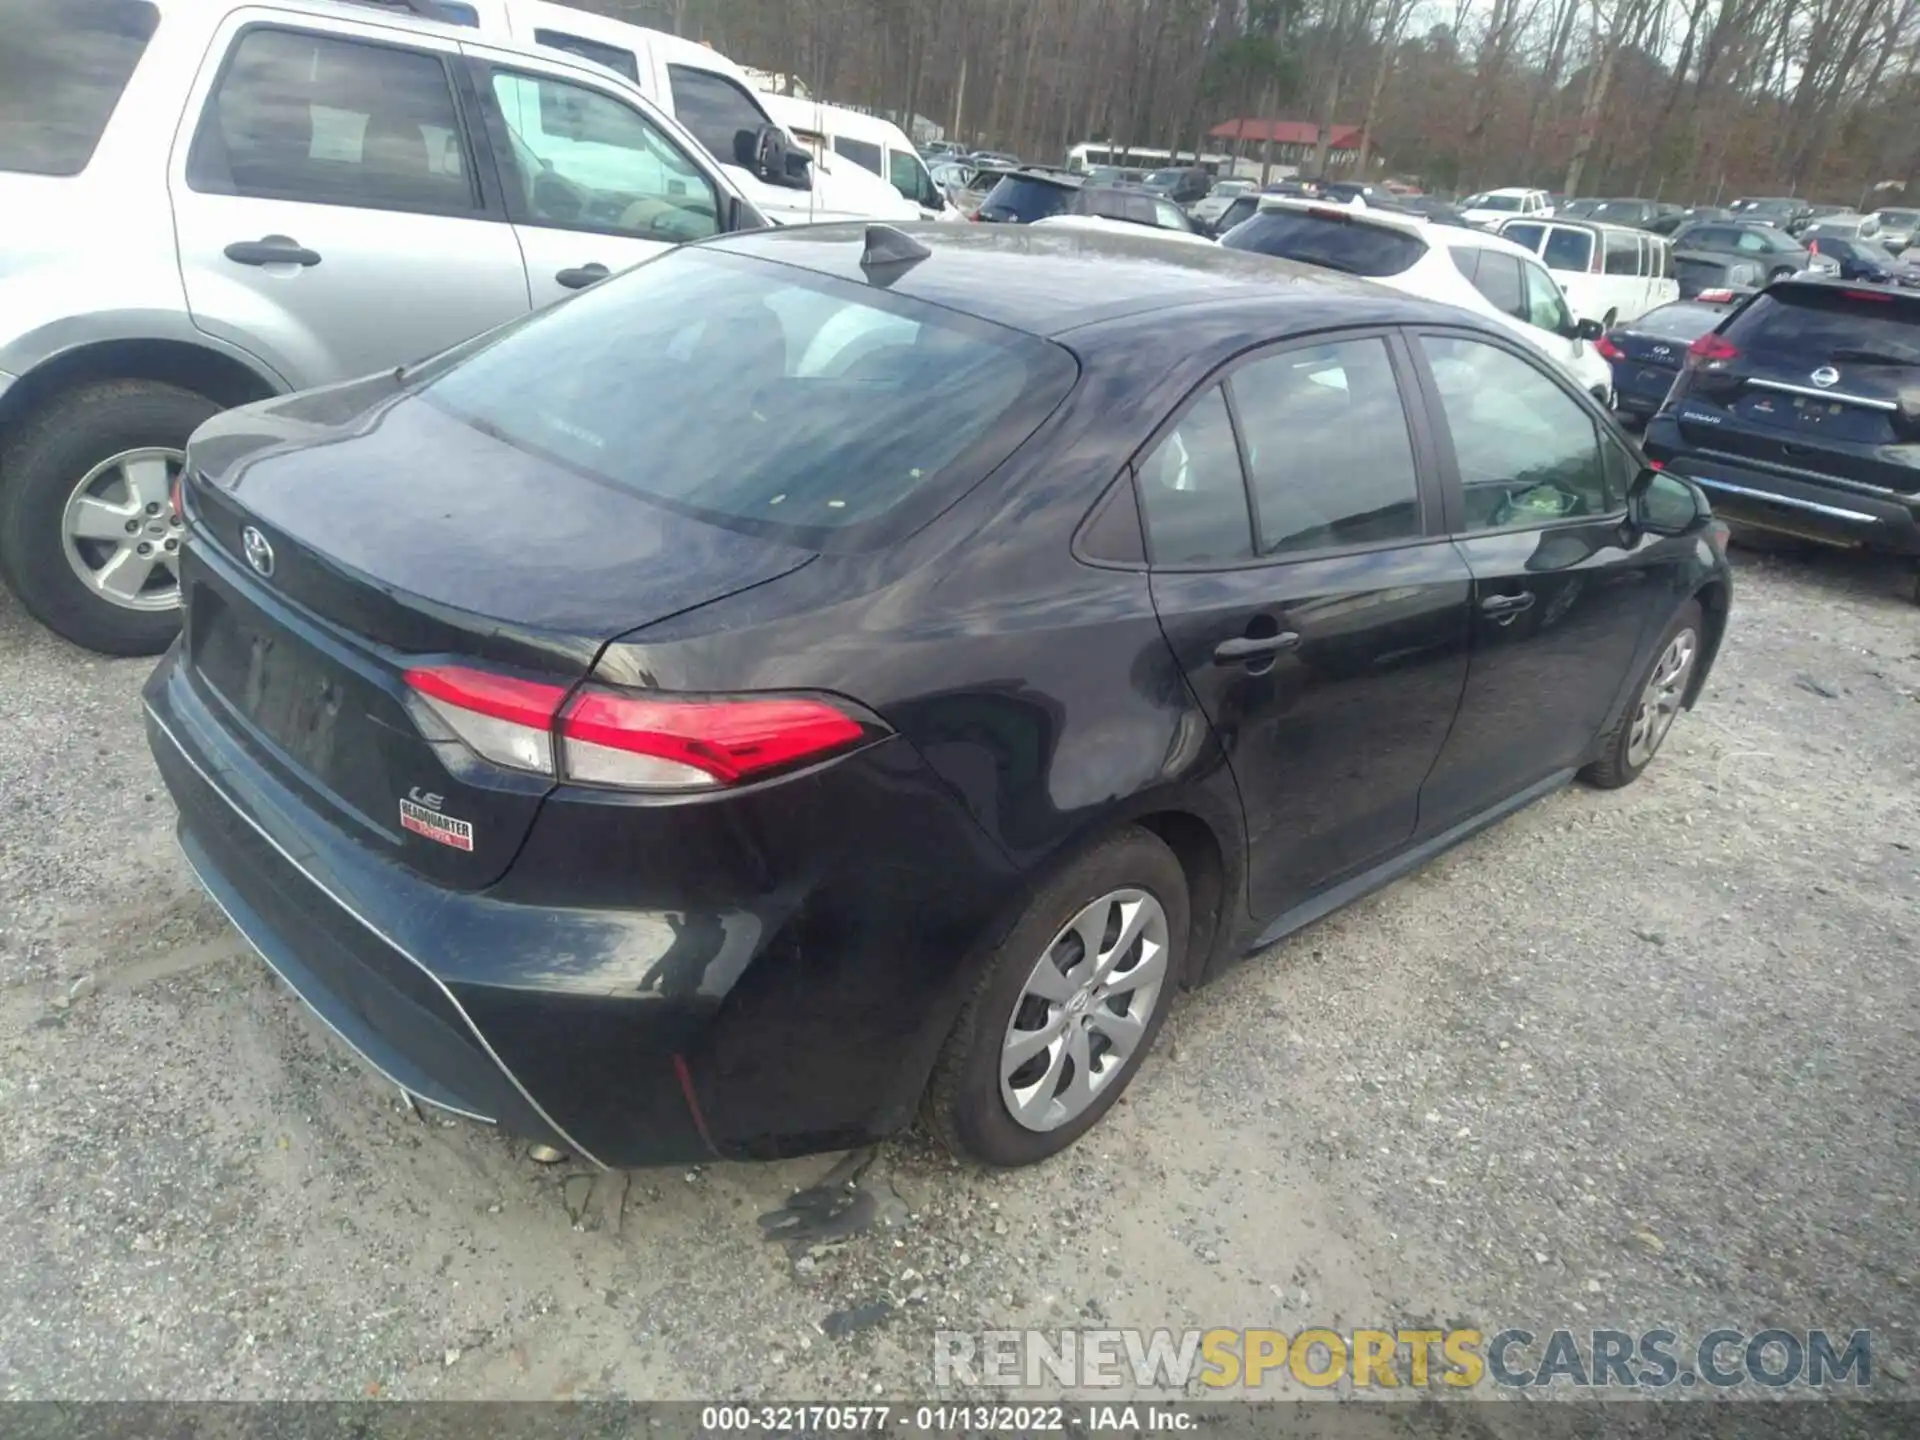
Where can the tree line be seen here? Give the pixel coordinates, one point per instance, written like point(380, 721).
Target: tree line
point(1690, 100)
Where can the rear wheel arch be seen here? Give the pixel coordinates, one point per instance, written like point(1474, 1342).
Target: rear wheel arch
point(1715, 599)
point(1197, 847)
point(206, 371)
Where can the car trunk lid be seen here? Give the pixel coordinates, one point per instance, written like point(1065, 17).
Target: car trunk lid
point(343, 537)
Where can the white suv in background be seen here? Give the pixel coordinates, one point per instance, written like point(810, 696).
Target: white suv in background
point(209, 202)
point(1490, 207)
point(1449, 263)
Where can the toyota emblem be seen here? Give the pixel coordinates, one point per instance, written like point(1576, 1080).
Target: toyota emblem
point(260, 553)
point(1826, 375)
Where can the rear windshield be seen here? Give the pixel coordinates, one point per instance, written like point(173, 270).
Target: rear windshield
point(1815, 323)
point(1331, 241)
point(742, 391)
point(62, 68)
point(1027, 200)
point(1677, 322)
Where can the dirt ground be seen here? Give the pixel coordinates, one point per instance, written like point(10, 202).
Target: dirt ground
point(1631, 1058)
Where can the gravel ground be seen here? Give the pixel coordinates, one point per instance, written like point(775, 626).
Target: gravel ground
point(1634, 1058)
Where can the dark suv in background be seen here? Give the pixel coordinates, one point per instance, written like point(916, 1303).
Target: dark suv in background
point(1800, 413)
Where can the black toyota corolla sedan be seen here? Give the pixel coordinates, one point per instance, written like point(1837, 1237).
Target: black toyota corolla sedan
point(831, 673)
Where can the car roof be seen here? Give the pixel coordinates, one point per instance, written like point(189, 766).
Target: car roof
point(1513, 190)
point(1049, 281)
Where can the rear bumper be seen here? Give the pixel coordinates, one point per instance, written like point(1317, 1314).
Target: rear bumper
point(1770, 501)
point(777, 1008)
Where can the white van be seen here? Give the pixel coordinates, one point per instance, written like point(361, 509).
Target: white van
point(1610, 273)
point(708, 94)
point(877, 146)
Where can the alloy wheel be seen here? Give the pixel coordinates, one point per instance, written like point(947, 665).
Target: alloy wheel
point(1660, 701)
point(1084, 1010)
point(120, 533)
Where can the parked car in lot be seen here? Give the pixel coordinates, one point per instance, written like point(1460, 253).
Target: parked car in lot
point(1240, 208)
point(939, 713)
point(1771, 246)
point(1856, 259)
point(1182, 184)
point(1646, 353)
point(1678, 219)
point(300, 192)
point(1209, 210)
point(1490, 207)
point(1635, 213)
point(1469, 268)
point(1843, 224)
point(1800, 414)
point(1699, 271)
point(1101, 205)
point(1776, 210)
point(1897, 228)
point(1608, 272)
point(1019, 197)
point(868, 144)
point(1818, 214)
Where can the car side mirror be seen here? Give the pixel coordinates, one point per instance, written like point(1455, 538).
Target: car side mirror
point(1588, 330)
point(1663, 504)
point(766, 154)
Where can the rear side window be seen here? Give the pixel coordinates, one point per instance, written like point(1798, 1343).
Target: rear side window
point(1026, 200)
point(1328, 453)
point(1525, 233)
point(863, 153)
point(1569, 249)
point(298, 116)
point(62, 68)
point(714, 108)
point(1498, 278)
point(760, 394)
point(1332, 241)
point(1623, 254)
point(611, 56)
point(1815, 323)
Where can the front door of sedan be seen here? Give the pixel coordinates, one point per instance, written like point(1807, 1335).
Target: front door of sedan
point(593, 184)
point(1321, 621)
point(1563, 588)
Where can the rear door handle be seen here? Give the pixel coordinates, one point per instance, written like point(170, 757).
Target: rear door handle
point(1245, 648)
point(1507, 604)
point(273, 250)
point(583, 276)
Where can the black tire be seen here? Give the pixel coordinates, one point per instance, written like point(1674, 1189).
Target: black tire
point(1615, 767)
point(963, 1106)
point(43, 460)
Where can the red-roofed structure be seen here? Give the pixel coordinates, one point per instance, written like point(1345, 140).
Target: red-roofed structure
point(1294, 141)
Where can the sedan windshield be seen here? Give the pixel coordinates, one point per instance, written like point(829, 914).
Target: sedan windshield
point(743, 391)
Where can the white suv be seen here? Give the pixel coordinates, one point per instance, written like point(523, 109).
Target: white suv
point(1450, 263)
point(209, 202)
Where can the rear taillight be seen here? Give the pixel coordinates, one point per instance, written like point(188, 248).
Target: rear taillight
point(1719, 295)
point(635, 741)
point(1712, 349)
point(1608, 350)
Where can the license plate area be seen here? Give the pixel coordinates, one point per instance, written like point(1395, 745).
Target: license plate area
point(286, 690)
point(1815, 416)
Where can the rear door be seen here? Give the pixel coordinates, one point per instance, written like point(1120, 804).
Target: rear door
point(1318, 613)
point(1535, 489)
point(1814, 378)
point(592, 181)
point(335, 211)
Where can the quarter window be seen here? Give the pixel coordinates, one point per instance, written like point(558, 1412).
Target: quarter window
point(582, 159)
point(1528, 453)
point(1327, 448)
point(714, 108)
point(1193, 491)
point(311, 117)
point(62, 68)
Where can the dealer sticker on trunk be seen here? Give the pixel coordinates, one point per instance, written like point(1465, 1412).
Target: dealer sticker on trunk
point(420, 813)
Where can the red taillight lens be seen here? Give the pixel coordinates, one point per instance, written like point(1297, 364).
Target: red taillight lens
point(1608, 350)
point(633, 741)
point(644, 743)
point(1717, 296)
point(1711, 348)
point(506, 720)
